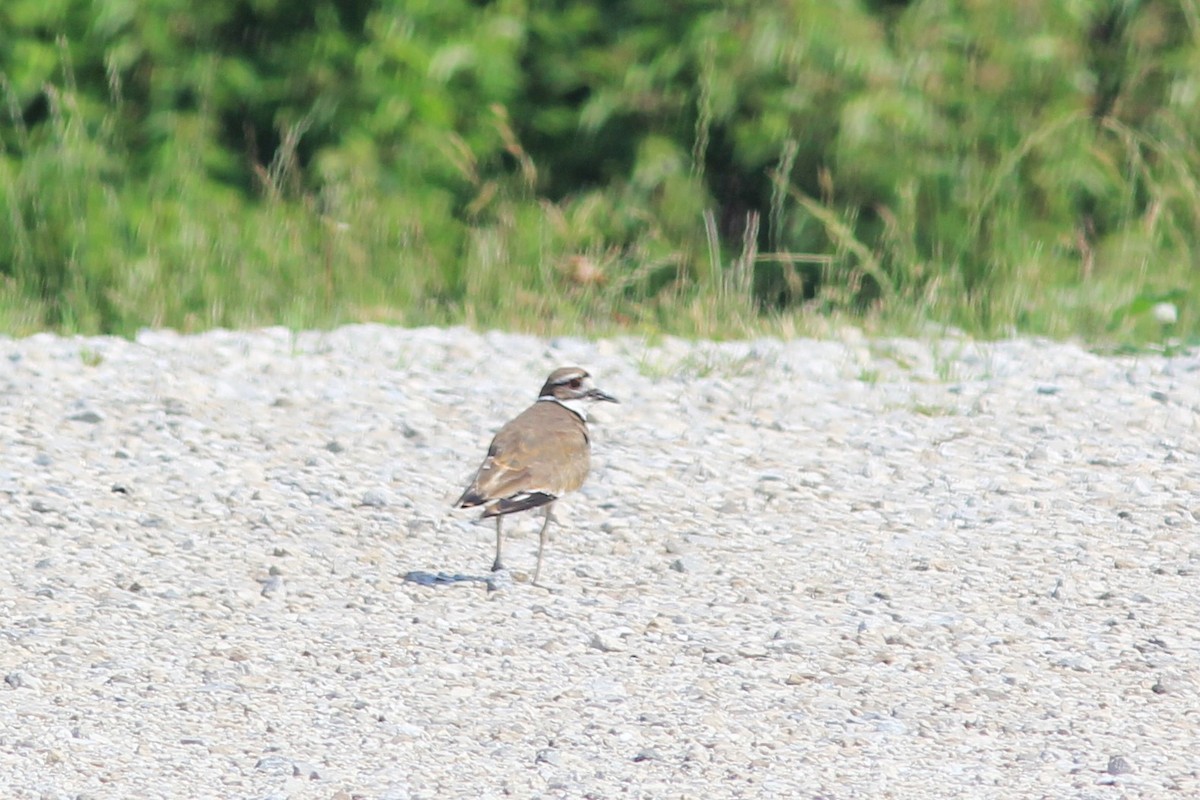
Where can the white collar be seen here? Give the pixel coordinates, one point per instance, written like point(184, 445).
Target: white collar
point(578, 406)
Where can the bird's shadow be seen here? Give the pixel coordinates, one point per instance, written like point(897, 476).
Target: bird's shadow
point(423, 578)
point(493, 580)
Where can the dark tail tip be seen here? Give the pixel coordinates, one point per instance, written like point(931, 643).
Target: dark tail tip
point(470, 499)
point(520, 502)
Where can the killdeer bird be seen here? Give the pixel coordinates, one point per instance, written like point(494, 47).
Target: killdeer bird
point(538, 456)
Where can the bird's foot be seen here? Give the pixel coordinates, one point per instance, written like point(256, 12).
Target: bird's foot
point(502, 579)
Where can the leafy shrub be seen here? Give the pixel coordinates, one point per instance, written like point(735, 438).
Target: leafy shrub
point(690, 165)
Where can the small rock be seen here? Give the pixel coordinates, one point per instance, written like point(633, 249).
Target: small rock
point(607, 642)
point(810, 479)
point(548, 755)
point(335, 447)
point(374, 498)
point(1119, 765)
point(687, 563)
point(586, 571)
point(1078, 663)
point(647, 754)
point(719, 658)
point(677, 547)
point(275, 765)
point(272, 585)
point(22, 680)
point(614, 525)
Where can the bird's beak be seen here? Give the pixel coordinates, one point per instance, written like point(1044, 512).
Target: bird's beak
point(596, 394)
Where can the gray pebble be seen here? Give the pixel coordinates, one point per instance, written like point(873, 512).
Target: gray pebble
point(22, 680)
point(607, 642)
point(272, 585)
point(276, 765)
point(1118, 765)
point(374, 498)
point(549, 755)
point(688, 563)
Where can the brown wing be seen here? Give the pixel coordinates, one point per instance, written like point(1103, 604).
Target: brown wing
point(535, 458)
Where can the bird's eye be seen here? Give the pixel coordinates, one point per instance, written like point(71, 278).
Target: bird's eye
point(575, 383)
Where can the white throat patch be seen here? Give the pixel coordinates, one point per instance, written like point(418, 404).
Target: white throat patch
point(578, 405)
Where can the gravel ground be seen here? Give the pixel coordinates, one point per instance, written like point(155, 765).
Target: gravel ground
point(813, 569)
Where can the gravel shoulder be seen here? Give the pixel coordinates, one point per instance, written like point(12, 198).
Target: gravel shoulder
point(820, 569)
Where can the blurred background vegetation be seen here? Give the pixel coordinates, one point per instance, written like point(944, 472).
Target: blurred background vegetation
point(696, 167)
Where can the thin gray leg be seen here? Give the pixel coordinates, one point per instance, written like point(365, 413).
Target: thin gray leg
point(542, 538)
point(497, 565)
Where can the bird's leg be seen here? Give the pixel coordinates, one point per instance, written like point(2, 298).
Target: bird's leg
point(543, 536)
point(497, 565)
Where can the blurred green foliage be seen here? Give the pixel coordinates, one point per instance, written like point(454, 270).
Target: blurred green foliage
point(688, 165)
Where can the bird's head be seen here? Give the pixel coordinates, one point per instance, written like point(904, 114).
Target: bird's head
point(573, 385)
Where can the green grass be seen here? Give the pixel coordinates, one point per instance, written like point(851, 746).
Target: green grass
point(869, 376)
point(933, 410)
point(90, 357)
point(93, 251)
point(895, 171)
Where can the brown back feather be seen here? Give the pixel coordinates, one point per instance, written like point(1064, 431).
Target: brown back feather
point(544, 450)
